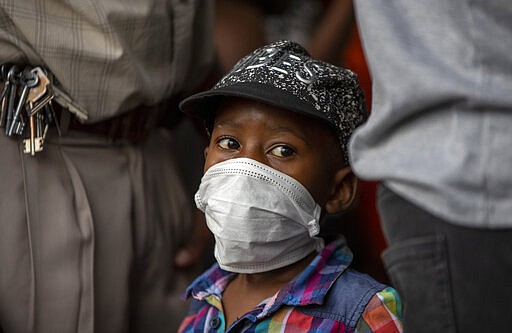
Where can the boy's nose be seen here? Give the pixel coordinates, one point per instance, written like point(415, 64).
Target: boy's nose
point(254, 153)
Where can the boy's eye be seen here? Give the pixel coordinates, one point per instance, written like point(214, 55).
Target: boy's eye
point(228, 143)
point(282, 151)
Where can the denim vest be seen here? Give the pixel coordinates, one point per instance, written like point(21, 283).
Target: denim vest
point(346, 300)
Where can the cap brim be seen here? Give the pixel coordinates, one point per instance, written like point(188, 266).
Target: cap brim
point(204, 104)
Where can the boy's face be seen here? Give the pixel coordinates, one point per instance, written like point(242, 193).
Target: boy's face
point(301, 147)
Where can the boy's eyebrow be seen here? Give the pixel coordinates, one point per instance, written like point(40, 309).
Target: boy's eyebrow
point(228, 122)
point(301, 135)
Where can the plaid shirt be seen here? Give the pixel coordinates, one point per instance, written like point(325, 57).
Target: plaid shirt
point(283, 311)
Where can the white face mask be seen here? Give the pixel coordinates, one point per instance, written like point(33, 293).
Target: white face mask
point(262, 219)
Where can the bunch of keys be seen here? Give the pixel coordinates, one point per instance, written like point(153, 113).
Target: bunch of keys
point(26, 95)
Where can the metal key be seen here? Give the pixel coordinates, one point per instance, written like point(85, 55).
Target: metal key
point(38, 99)
point(28, 80)
point(42, 94)
point(67, 102)
point(30, 144)
point(12, 78)
point(41, 129)
point(3, 111)
point(38, 130)
point(39, 121)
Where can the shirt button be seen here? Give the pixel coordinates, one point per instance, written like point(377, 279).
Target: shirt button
point(215, 323)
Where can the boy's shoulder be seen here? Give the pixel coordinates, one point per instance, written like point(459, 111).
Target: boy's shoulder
point(347, 298)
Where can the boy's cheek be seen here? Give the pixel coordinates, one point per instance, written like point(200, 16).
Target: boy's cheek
point(212, 158)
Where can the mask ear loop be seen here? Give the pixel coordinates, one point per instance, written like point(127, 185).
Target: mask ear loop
point(314, 225)
point(314, 229)
point(199, 202)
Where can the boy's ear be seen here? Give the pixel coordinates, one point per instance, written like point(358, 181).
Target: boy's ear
point(343, 191)
point(205, 152)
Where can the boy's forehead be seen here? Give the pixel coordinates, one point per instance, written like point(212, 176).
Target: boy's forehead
point(236, 109)
point(237, 112)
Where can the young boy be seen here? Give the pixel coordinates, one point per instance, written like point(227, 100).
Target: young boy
point(279, 124)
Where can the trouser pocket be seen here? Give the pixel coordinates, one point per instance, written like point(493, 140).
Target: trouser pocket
point(418, 269)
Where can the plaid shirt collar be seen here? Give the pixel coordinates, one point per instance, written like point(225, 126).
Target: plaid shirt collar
point(310, 287)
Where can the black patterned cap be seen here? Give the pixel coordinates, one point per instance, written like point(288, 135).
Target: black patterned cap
point(284, 75)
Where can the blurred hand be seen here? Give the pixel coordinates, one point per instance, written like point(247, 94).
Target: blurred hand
point(197, 245)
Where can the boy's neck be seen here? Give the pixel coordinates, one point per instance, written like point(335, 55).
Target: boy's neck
point(246, 291)
point(280, 276)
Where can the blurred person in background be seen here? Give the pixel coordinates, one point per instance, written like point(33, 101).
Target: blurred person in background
point(93, 211)
point(439, 140)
